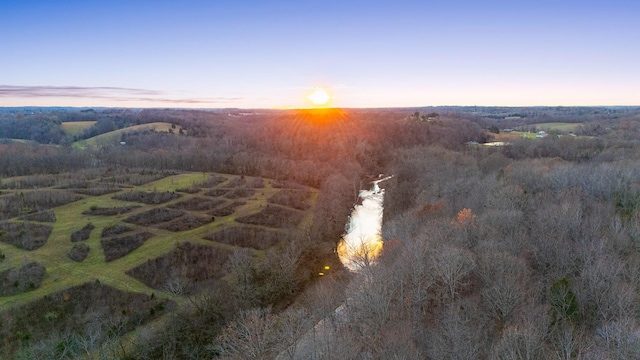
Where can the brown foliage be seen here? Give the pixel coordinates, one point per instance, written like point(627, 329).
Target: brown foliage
point(79, 252)
point(274, 216)
point(24, 235)
point(196, 204)
point(154, 216)
point(147, 197)
point(110, 211)
point(245, 236)
point(227, 209)
point(115, 229)
point(117, 247)
point(429, 209)
point(91, 309)
point(297, 199)
point(187, 267)
point(26, 278)
point(40, 216)
point(27, 202)
point(187, 222)
point(82, 234)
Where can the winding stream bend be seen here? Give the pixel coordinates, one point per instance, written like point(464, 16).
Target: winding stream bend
point(357, 249)
point(363, 242)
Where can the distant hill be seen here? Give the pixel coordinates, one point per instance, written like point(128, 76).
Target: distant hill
point(116, 134)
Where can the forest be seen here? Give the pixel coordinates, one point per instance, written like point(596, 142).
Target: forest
point(509, 233)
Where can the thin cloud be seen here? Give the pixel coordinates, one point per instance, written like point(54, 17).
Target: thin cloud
point(104, 93)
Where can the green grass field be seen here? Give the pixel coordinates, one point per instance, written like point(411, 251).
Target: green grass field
point(515, 135)
point(114, 136)
point(558, 126)
point(63, 272)
point(76, 127)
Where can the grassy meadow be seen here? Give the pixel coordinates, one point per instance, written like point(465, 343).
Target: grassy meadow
point(76, 127)
point(559, 126)
point(115, 135)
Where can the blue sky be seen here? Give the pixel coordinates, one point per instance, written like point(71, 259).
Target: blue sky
point(266, 54)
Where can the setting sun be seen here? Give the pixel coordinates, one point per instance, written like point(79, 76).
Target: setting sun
point(319, 97)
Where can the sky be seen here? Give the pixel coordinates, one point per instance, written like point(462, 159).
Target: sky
point(271, 54)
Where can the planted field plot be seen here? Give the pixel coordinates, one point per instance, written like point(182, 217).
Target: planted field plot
point(240, 192)
point(110, 211)
point(189, 190)
point(227, 209)
point(82, 234)
point(187, 267)
point(24, 235)
point(40, 216)
point(135, 179)
point(154, 216)
point(211, 182)
point(29, 182)
point(216, 192)
point(79, 252)
point(237, 181)
point(197, 204)
point(115, 229)
point(92, 309)
point(187, 222)
point(92, 188)
point(246, 236)
point(27, 202)
point(117, 247)
point(18, 280)
point(139, 240)
point(297, 199)
point(147, 197)
point(274, 216)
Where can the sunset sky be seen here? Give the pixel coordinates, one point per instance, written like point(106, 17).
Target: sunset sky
point(271, 54)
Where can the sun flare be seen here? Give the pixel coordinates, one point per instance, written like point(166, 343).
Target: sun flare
point(319, 97)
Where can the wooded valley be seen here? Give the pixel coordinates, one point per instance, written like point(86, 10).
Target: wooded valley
point(509, 233)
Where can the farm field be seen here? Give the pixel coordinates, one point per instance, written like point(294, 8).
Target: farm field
point(514, 135)
point(76, 127)
point(560, 126)
point(106, 237)
point(550, 126)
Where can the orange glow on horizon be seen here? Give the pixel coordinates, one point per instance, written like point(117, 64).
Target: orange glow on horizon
point(322, 115)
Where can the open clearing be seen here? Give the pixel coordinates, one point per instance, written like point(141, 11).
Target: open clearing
point(559, 126)
point(76, 127)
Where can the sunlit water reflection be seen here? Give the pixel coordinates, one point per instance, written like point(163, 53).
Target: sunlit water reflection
point(363, 241)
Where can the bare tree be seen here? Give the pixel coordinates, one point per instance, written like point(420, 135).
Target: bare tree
point(291, 326)
point(505, 282)
point(452, 266)
point(524, 340)
point(458, 335)
point(251, 336)
point(241, 273)
point(621, 338)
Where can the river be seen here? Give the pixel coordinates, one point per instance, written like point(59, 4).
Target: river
point(363, 241)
